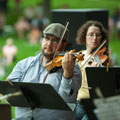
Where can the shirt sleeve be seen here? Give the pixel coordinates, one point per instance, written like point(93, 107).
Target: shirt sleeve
point(16, 73)
point(20, 69)
point(69, 87)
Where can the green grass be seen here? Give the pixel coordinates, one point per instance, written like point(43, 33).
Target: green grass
point(115, 47)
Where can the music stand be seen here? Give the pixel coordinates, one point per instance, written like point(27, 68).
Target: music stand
point(107, 81)
point(89, 108)
point(35, 95)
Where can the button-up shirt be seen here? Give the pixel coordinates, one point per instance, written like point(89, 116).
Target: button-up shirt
point(31, 70)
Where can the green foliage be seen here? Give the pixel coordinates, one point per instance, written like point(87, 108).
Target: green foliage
point(24, 3)
point(76, 4)
point(80, 4)
point(12, 17)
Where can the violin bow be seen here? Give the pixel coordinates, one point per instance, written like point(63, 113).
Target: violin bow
point(95, 52)
point(56, 51)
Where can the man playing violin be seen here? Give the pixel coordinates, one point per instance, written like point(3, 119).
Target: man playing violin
point(91, 34)
point(66, 80)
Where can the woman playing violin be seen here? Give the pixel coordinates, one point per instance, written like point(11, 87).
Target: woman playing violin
point(66, 80)
point(91, 34)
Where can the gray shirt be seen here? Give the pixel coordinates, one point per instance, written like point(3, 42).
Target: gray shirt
point(31, 70)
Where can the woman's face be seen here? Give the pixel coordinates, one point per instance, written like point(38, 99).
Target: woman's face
point(93, 37)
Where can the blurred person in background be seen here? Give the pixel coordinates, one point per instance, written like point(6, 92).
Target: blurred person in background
point(116, 13)
point(2, 22)
point(29, 13)
point(21, 27)
point(41, 14)
point(111, 25)
point(34, 35)
point(118, 29)
point(38, 23)
point(9, 51)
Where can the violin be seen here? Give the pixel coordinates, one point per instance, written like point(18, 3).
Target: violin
point(102, 53)
point(57, 61)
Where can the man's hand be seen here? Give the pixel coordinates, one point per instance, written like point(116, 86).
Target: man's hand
point(68, 63)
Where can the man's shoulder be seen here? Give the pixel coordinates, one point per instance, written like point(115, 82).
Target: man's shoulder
point(29, 60)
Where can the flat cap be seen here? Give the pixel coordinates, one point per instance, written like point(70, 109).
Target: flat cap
point(56, 29)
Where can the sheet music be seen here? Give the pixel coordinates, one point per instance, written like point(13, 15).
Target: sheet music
point(108, 108)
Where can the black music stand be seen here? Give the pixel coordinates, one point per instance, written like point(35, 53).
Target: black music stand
point(89, 108)
point(107, 81)
point(35, 95)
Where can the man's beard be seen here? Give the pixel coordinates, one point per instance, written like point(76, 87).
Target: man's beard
point(48, 56)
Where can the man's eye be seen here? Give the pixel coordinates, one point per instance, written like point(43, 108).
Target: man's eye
point(47, 38)
point(55, 41)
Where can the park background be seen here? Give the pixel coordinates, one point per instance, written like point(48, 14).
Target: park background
point(25, 49)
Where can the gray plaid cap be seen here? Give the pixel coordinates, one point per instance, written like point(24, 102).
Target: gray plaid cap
point(56, 29)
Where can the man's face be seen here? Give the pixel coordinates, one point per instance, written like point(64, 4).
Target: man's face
point(49, 45)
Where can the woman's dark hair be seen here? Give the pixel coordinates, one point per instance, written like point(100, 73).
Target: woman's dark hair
point(82, 31)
